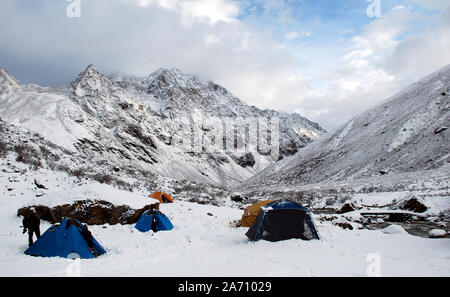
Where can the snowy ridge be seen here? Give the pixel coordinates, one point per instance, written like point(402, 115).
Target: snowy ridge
point(92, 83)
point(7, 83)
point(406, 133)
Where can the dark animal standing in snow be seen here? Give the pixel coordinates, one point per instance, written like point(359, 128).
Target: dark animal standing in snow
point(31, 224)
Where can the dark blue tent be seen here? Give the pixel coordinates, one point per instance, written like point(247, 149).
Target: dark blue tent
point(282, 220)
point(153, 220)
point(64, 240)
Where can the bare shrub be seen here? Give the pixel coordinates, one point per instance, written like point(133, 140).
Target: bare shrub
point(330, 201)
point(79, 172)
point(28, 155)
point(3, 149)
point(102, 178)
point(124, 185)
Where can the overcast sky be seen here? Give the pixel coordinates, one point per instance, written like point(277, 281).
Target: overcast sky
point(326, 59)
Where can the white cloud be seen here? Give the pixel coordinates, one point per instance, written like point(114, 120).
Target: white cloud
point(211, 10)
point(307, 34)
point(292, 35)
point(436, 4)
point(214, 10)
point(347, 31)
point(295, 35)
point(211, 39)
point(380, 62)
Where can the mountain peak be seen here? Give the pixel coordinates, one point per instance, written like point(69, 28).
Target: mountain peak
point(89, 72)
point(165, 71)
point(91, 82)
point(7, 82)
point(175, 76)
point(5, 77)
point(91, 66)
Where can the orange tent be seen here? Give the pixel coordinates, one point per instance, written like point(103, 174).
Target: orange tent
point(162, 197)
point(250, 213)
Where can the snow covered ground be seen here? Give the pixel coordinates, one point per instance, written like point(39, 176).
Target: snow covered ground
point(204, 242)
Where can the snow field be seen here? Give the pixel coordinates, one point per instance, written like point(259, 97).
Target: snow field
point(204, 245)
point(204, 241)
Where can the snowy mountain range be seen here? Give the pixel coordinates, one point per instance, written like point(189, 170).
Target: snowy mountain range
point(151, 124)
point(406, 133)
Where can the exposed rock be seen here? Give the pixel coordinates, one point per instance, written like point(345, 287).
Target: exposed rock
point(347, 207)
point(343, 223)
point(412, 203)
point(237, 198)
point(90, 212)
point(39, 185)
point(440, 130)
point(247, 160)
point(345, 226)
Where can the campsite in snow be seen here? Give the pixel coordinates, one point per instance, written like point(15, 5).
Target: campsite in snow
point(205, 241)
point(225, 138)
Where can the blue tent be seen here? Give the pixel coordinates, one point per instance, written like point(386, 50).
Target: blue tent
point(282, 220)
point(153, 220)
point(63, 240)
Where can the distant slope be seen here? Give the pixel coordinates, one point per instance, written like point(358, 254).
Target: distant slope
point(408, 132)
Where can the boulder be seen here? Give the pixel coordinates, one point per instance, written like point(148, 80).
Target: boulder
point(343, 223)
point(39, 185)
point(237, 198)
point(247, 160)
point(440, 130)
point(347, 207)
point(411, 203)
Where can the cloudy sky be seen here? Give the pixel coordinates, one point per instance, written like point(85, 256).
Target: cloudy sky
point(326, 59)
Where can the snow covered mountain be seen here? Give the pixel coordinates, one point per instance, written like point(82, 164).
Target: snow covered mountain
point(406, 133)
point(151, 124)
